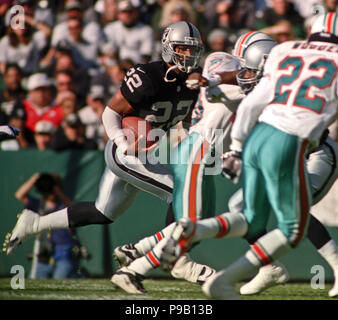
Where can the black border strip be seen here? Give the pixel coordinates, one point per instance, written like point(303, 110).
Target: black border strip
point(139, 175)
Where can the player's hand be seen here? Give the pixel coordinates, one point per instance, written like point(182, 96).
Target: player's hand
point(139, 146)
point(195, 81)
point(8, 132)
point(232, 165)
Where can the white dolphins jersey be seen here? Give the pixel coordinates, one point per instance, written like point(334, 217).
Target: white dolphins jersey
point(304, 75)
point(213, 113)
point(298, 93)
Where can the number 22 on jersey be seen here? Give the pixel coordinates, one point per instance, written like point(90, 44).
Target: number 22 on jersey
point(318, 74)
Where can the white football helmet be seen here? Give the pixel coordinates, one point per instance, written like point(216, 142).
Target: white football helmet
point(325, 24)
point(182, 33)
point(252, 61)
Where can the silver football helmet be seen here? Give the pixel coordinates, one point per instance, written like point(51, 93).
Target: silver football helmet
point(186, 34)
point(245, 40)
point(253, 62)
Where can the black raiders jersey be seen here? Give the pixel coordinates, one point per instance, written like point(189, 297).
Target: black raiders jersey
point(163, 104)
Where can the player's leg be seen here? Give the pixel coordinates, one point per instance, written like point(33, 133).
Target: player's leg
point(326, 247)
point(188, 169)
point(155, 179)
point(188, 166)
point(277, 242)
point(269, 275)
point(127, 253)
point(229, 224)
point(114, 197)
point(234, 223)
point(323, 172)
point(256, 216)
point(288, 190)
point(194, 196)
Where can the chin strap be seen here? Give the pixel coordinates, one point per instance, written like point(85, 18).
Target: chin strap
point(166, 74)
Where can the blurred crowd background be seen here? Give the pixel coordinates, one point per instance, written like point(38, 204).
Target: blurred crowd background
point(61, 61)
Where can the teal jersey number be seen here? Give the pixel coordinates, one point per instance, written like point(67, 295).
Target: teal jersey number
point(297, 63)
point(316, 103)
point(302, 98)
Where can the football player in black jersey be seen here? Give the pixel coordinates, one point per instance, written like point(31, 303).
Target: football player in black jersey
point(155, 92)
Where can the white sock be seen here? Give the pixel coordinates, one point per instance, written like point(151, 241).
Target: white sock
point(147, 243)
point(239, 270)
point(225, 225)
point(329, 252)
point(264, 251)
point(268, 248)
point(150, 260)
point(54, 220)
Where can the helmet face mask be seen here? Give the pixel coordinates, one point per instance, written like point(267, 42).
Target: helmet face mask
point(186, 37)
point(252, 62)
point(187, 62)
point(248, 78)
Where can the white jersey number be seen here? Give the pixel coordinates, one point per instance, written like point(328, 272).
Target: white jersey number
point(133, 81)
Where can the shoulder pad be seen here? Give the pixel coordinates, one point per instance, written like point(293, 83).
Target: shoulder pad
point(137, 84)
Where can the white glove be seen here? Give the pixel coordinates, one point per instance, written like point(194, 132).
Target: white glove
point(232, 165)
point(192, 84)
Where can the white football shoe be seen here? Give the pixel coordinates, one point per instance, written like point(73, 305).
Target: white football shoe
point(219, 287)
point(186, 268)
point(268, 276)
point(334, 290)
point(126, 254)
point(128, 280)
point(26, 227)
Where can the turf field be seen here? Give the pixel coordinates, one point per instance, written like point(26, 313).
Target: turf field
point(157, 289)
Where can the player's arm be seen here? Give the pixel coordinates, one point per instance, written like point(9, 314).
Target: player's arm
point(112, 118)
point(247, 116)
point(249, 111)
point(196, 80)
point(134, 91)
point(219, 68)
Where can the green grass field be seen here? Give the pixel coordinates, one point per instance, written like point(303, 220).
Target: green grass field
point(157, 289)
